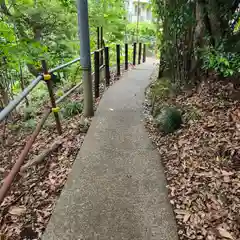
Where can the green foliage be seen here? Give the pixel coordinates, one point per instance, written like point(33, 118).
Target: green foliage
point(237, 26)
point(72, 109)
point(39, 96)
point(163, 88)
point(14, 127)
point(192, 114)
point(33, 30)
point(190, 25)
point(109, 14)
point(30, 124)
point(28, 113)
point(168, 120)
point(146, 31)
point(223, 63)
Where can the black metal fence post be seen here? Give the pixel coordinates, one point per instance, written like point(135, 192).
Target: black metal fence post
point(107, 71)
point(134, 53)
point(118, 59)
point(144, 52)
point(47, 78)
point(98, 38)
point(96, 74)
point(139, 53)
point(126, 56)
point(101, 54)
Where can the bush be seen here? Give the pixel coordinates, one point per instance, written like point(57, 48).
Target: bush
point(28, 112)
point(161, 88)
point(168, 120)
point(29, 124)
point(223, 63)
point(72, 109)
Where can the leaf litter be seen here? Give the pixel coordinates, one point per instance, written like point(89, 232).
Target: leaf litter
point(28, 206)
point(202, 161)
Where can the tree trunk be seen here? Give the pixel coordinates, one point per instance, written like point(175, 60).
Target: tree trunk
point(4, 97)
point(22, 83)
point(33, 70)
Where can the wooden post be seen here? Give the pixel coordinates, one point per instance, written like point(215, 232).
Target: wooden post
point(144, 52)
point(107, 71)
point(118, 59)
point(52, 97)
point(96, 74)
point(139, 53)
point(126, 56)
point(134, 53)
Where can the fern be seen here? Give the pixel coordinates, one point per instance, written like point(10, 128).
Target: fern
point(72, 109)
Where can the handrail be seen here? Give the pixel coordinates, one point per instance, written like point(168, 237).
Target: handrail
point(16, 101)
point(68, 92)
point(64, 65)
point(100, 50)
point(17, 166)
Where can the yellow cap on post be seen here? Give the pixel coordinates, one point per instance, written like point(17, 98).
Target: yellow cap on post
point(56, 109)
point(47, 77)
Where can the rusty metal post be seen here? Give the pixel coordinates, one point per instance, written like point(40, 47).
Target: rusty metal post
point(17, 166)
point(52, 98)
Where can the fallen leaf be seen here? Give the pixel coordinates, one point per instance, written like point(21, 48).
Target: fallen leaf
point(201, 161)
point(186, 217)
point(18, 211)
point(181, 212)
point(225, 173)
point(224, 233)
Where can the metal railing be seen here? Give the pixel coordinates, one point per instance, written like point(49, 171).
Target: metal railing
point(101, 61)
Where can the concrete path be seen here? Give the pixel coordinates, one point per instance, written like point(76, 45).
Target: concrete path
point(116, 190)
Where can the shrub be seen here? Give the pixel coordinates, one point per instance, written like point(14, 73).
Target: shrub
point(161, 88)
point(28, 112)
point(223, 63)
point(168, 120)
point(29, 124)
point(72, 109)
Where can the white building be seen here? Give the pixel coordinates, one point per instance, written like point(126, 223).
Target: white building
point(144, 11)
